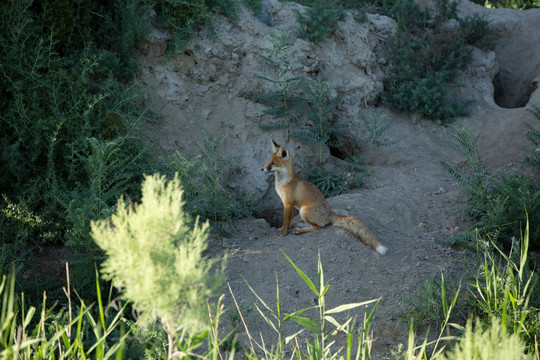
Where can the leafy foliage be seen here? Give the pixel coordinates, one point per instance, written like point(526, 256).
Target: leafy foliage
point(425, 56)
point(316, 24)
point(483, 343)
point(64, 100)
point(301, 105)
point(284, 106)
point(321, 128)
point(329, 182)
point(498, 204)
point(185, 18)
point(206, 180)
point(376, 125)
point(155, 256)
point(503, 290)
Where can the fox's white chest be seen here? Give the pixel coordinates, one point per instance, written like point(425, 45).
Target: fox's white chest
point(281, 181)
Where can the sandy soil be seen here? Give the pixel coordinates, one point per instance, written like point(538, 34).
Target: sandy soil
point(410, 202)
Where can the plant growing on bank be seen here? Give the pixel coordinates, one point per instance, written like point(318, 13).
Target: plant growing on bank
point(65, 71)
point(155, 257)
point(318, 20)
point(284, 106)
point(495, 203)
point(376, 125)
point(184, 19)
point(205, 179)
point(503, 290)
point(320, 128)
point(425, 56)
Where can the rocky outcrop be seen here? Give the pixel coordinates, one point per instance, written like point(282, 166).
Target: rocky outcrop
point(209, 87)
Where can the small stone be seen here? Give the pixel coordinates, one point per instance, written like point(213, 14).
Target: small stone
point(440, 191)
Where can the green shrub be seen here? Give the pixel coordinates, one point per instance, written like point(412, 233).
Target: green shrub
point(491, 343)
point(321, 128)
point(65, 99)
point(284, 105)
point(376, 125)
point(329, 182)
point(184, 19)
point(425, 56)
point(206, 181)
point(155, 256)
point(317, 22)
point(497, 204)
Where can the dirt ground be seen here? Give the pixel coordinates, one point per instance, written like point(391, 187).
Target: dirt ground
point(409, 201)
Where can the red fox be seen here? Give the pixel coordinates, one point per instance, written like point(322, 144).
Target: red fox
point(296, 192)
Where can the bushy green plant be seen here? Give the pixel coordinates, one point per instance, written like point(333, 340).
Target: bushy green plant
point(60, 94)
point(491, 343)
point(318, 20)
point(498, 203)
point(533, 155)
point(184, 19)
point(206, 179)
point(424, 57)
point(329, 182)
point(155, 257)
point(376, 125)
point(320, 129)
point(284, 105)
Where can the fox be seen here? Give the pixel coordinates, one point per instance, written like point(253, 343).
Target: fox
point(296, 192)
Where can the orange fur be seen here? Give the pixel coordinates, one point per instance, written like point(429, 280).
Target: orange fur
point(296, 192)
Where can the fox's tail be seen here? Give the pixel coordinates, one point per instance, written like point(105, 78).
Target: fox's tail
point(359, 230)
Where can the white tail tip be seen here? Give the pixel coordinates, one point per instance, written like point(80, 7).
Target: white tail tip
point(381, 249)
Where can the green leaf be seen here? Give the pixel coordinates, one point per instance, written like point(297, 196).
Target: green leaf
point(306, 279)
point(349, 306)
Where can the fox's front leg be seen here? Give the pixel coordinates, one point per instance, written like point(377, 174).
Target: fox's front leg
point(288, 210)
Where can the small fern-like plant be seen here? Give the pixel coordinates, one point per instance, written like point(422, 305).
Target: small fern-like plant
point(321, 103)
point(533, 155)
point(495, 203)
point(284, 106)
point(318, 21)
point(206, 179)
point(376, 125)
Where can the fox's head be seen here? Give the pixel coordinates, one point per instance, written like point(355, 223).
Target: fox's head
point(279, 160)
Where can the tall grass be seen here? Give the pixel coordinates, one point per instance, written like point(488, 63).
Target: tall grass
point(81, 332)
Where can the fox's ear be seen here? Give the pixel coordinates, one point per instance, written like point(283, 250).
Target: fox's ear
point(283, 154)
point(275, 145)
